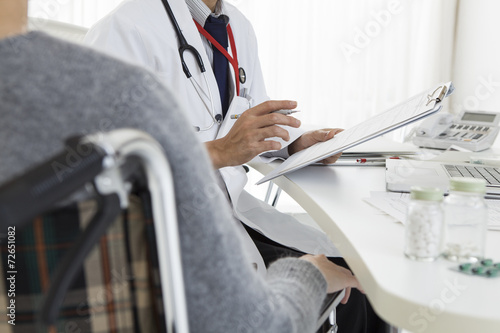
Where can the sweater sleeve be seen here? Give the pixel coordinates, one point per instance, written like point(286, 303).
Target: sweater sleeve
point(59, 85)
point(298, 279)
point(224, 293)
point(223, 290)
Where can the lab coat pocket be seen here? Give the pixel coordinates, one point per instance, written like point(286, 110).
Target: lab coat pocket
point(237, 107)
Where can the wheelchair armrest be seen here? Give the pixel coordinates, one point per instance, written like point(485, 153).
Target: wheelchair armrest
point(329, 304)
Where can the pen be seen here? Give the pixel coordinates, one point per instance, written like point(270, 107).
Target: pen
point(285, 112)
point(375, 159)
point(370, 160)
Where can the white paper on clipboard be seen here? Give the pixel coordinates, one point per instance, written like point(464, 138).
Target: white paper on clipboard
point(415, 108)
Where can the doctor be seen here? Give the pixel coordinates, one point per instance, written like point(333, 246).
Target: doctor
point(141, 32)
point(230, 112)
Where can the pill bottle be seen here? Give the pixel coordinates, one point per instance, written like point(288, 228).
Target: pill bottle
point(466, 218)
point(424, 224)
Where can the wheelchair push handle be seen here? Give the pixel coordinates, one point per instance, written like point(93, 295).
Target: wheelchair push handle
point(41, 187)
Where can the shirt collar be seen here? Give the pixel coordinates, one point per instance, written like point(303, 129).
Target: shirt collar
point(200, 11)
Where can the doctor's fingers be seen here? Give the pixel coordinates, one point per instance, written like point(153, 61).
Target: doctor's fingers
point(271, 132)
point(332, 159)
point(325, 134)
point(275, 119)
point(265, 145)
point(270, 106)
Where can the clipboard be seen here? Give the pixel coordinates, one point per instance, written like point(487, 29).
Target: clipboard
point(411, 110)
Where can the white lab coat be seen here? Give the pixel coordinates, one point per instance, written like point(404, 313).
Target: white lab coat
point(139, 31)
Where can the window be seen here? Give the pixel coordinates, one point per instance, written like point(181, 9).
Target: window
point(343, 61)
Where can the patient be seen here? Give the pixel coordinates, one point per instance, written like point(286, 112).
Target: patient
point(50, 90)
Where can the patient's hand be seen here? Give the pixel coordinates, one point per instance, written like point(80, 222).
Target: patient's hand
point(337, 277)
point(308, 139)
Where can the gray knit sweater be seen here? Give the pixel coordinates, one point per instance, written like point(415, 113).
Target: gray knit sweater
point(50, 90)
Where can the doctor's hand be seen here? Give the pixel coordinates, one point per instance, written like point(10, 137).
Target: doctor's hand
point(337, 277)
point(308, 139)
point(247, 137)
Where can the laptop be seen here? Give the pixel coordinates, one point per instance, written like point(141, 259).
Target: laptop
point(400, 175)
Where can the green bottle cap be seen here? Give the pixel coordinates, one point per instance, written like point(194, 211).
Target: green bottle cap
point(426, 193)
point(474, 185)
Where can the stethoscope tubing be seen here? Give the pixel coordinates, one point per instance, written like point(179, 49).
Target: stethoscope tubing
point(183, 47)
point(197, 88)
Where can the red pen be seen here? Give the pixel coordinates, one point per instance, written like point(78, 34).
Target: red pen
point(370, 160)
point(375, 159)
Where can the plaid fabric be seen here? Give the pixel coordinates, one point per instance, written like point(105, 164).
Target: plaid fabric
point(117, 290)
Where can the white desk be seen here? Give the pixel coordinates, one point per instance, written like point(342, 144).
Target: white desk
point(417, 296)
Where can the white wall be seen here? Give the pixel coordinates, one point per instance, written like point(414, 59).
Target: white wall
point(346, 60)
point(476, 69)
point(413, 51)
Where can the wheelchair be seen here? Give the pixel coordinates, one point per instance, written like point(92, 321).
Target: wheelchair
point(118, 170)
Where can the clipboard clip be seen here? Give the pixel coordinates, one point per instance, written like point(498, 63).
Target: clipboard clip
point(441, 90)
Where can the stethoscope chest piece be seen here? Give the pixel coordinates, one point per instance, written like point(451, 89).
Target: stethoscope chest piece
point(216, 120)
point(243, 75)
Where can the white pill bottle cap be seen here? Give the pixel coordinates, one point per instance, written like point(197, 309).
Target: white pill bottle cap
point(465, 184)
point(426, 193)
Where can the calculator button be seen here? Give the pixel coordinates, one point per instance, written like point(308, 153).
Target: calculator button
point(453, 126)
point(477, 136)
point(459, 127)
point(466, 127)
point(485, 128)
point(472, 128)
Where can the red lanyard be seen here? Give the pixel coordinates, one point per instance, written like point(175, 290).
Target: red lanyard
point(233, 61)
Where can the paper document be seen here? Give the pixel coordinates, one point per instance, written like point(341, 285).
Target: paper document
point(382, 146)
point(411, 110)
point(396, 204)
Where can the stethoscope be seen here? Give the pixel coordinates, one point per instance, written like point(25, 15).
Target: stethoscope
point(184, 46)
